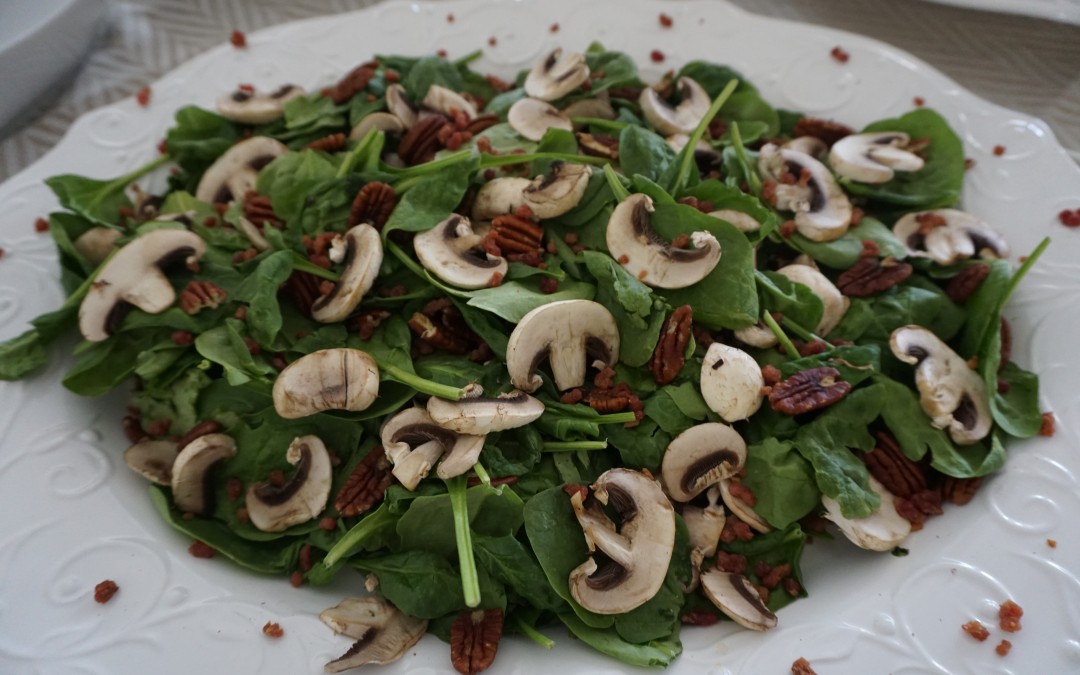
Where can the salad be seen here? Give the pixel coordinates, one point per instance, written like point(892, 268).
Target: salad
point(568, 350)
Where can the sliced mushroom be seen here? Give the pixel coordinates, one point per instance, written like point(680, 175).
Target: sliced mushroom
point(694, 103)
point(598, 107)
point(564, 332)
point(383, 633)
point(822, 210)
point(759, 335)
point(363, 256)
point(248, 107)
point(452, 252)
point(731, 382)
point(234, 173)
point(191, 480)
point(705, 523)
point(499, 196)
point(810, 145)
point(735, 596)
point(559, 191)
point(532, 118)
point(383, 121)
point(636, 554)
point(97, 243)
point(883, 530)
point(152, 460)
point(249, 230)
point(329, 379)
point(447, 101)
point(947, 236)
point(275, 508)
point(742, 221)
point(637, 247)
point(741, 509)
point(836, 304)
point(556, 75)
point(478, 415)
point(414, 442)
point(874, 157)
point(134, 277)
point(398, 105)
point(951, 393)
point(700, 457)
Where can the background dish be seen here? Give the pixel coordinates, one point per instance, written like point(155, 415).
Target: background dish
point(74, 515)
point(1067, 11)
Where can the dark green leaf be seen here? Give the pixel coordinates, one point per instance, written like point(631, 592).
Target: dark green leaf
point(782, 481)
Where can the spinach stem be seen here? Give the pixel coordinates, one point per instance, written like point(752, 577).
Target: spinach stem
point(350, 542)
point(566, 446)
point(469, 58)
point(489, 161)
point(459, 503)
point(304, 265)
point(752, 178)
point(123, 181)
point(599, 122)
point(420, 384)
point(482, 473)
point(1019, 275)
point(419, 271)
point(533, 634)
point(809, 336)
point(430, 167)
point(615, 182)
point(616, 418)
point(687, 153)
point(780, 335)
point(360, 149)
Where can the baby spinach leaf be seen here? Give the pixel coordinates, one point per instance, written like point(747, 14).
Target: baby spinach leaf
point(102, 366)
point(176, 403)
point(1016, 410)
point(260, 291)
point(429, 70)
point(658, 617)
point(752, 113)
point(514, 299)
point(729, 197)
point(21, 355)
point(640, 447)
point(631, 303)
point(292, 177)
point(98, 201)
point(777, 293)
point(428, 523)
point(775, 548)
point(676, 408)
point(431, 200)
point(607, 641)
point(844, 252)
point(855, 362)
point(925, 305)
point(224, 345)
point(714, 77)
point(514, 453)
point(511, 562)
point(984, 308)
point(199, 138)
point(312, 115)
point(782, 481)
point(613, 69)
point(644, 152)
point(420, 583)
point(910, 425)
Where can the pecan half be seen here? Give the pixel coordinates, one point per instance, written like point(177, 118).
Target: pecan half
point(960, 491)
point(1006, 343)
point(200, 429)
point(481, 122)
point(366, 484)
point(365, 323)
point(474, 640)
point(373, 204)
point(331, 143)
point(439, 325)
point(518, 239)
point(355, 81)
point(200, 295)
point(826, 130)
point(668, 357)
point(421, 142)
point(808, 390)
point(599, 145)
point(893, 469)
point(870, 275)
point(303, 287)
point(967, 282)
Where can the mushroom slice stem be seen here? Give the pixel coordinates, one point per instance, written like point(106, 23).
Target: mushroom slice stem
point(741, 509)
point(363, 256)
point(681, 119)
point(250, 107)
point(478, 415)
point(275, 508)
point(446, 101)
point(329, 379)
point(638, 248)
point(97, 243)
point(556, 75)
point(383, 121)
point(873, 157)
point(191, 480)
point(598, 107)
point(383, 633)
point(413, 443)
point(398, 105)
point(152, 460)
point(735, 596)
point(233, 174)
point(882, 530)
point(822, 210)
point(731, 382)
point(452, 252)
point(566, 333)
point(836, 304)
point(743, 222)
point(559, 191)
point(705, 524)
point(532, 118)
point(499, 196)
point(947, 236)
point(700, 457)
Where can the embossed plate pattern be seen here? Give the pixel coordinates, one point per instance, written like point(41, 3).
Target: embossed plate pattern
point(73, 514)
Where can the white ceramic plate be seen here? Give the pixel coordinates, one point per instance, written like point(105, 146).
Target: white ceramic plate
point(1066, 11)
point(72, 514)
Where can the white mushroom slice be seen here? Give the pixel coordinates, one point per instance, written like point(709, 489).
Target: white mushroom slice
point(705, 524)
point(383, 633)
point(249, 107)
point(731, 382)
point(636, 557)
point(363, 256)
point(452, 252)
point(810, 145)
point(883, 530)
point(947, 236)
point(822, 210)
point(701, 457)
point(329, 379)
point(951, 393)
point(446, 101)
point(398, 105)
point(532, 118)
point(152, 460)
point(559, 191)
point(682, 119)
point(275, 508)
point(407, 438)
point(499, 196)
point(477, 415)
point(598, 107)
point(556, 75)
point(382, 121)
point(192, 487)
point(97, 243)
point(741, 509)
point(234, 173)
point(735, 596)
point(836, 304)
point(134, 277)
point(742, 221)
point(759, 335)
point(566, 332)
point(249, 230)
point(874, 157)
point(638, 248)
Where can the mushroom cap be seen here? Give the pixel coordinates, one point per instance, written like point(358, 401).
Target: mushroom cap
point(810, 145)
point(253, 108)
point(882, 530)
point(398, 105)
point(414, 442)
point(873, 157)
point(329, 379)
point(383, 633)
point(565, 332)
point(499, 196)
point(680, 119)
point(742, 221)
point(644, 254)
point(152, 460)
point(452, 252)
point(951, 393)
point(556, 75)
point(383, 121)
point(559, 191)
point(447, 101)
point(597, 107)
point(731, 382)
point(705, 524)
point(700, 457)
point(735, 596)
point(249, 230)
point(741, 509)
point(478, 415)
point(759, 335)
point(532, 118)
point(363, 256)
point(192, 488)
point(234, 173)
point(836, 304)
point(962, 236)
point(273, 508)
point(822, 210)
point(637, 554)
point(133, 276)
point(97, 243)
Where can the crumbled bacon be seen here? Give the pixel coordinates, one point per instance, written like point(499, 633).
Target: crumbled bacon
point(975, 629)
point(1009, 615)
point(104, 591)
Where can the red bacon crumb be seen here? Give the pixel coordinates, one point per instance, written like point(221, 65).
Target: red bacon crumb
point(975, 629)
point(657, 56)
point(919, 101)
point(449, 18)
point(554, 28)
point(2, 252)
point(666, 21)
point(104, 591)
point(1009, 616)
point(1003, 648)
point(801, 667)
point(143, 97)
point(999, 150)
point(273, 630)
point(201, 550)
point(1070, 218)
point(41, 225)
point(1052, 543)
point(549, 285)
point(839, 54)
point(1048, 427)
point(296, 579)
point(492, 41)
point(238, 39)
point(163, 146)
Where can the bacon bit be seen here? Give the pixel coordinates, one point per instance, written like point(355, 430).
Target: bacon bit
point(919, 101)
point(442, 53)
point(666, 21)
point(736, 529)
point(771, 374)
point(296, 579)
point(969, 163)
point(549, 285)
point(573, 396)
point(182, 338)
point(276, 477)
point(273, 630)
point(1003, 648)
point(870, 249)
point(238, 39)
point(742, 493)
point(449, 18)
point(623, 259)
point(41, 225)
point(999, 150)
point(1048, 425)
point(1052, 543)
point(975, 629)
point(787, 229)
point(792, 587)
point(234, 488)
point(699, 617)
point(159, 428)
point(163, 146)
point(839, 54)
point(734, 563)
point(2, 252)
point(554, 28)
point(802, 667)
point(143, 97)
point(201, 550)
point(1009, 616)
point(104, 591)
point(657, 56)
point(681, 241)
point(492, 41)
point(572, 489)
point(929, 221)
point(1070, 218)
